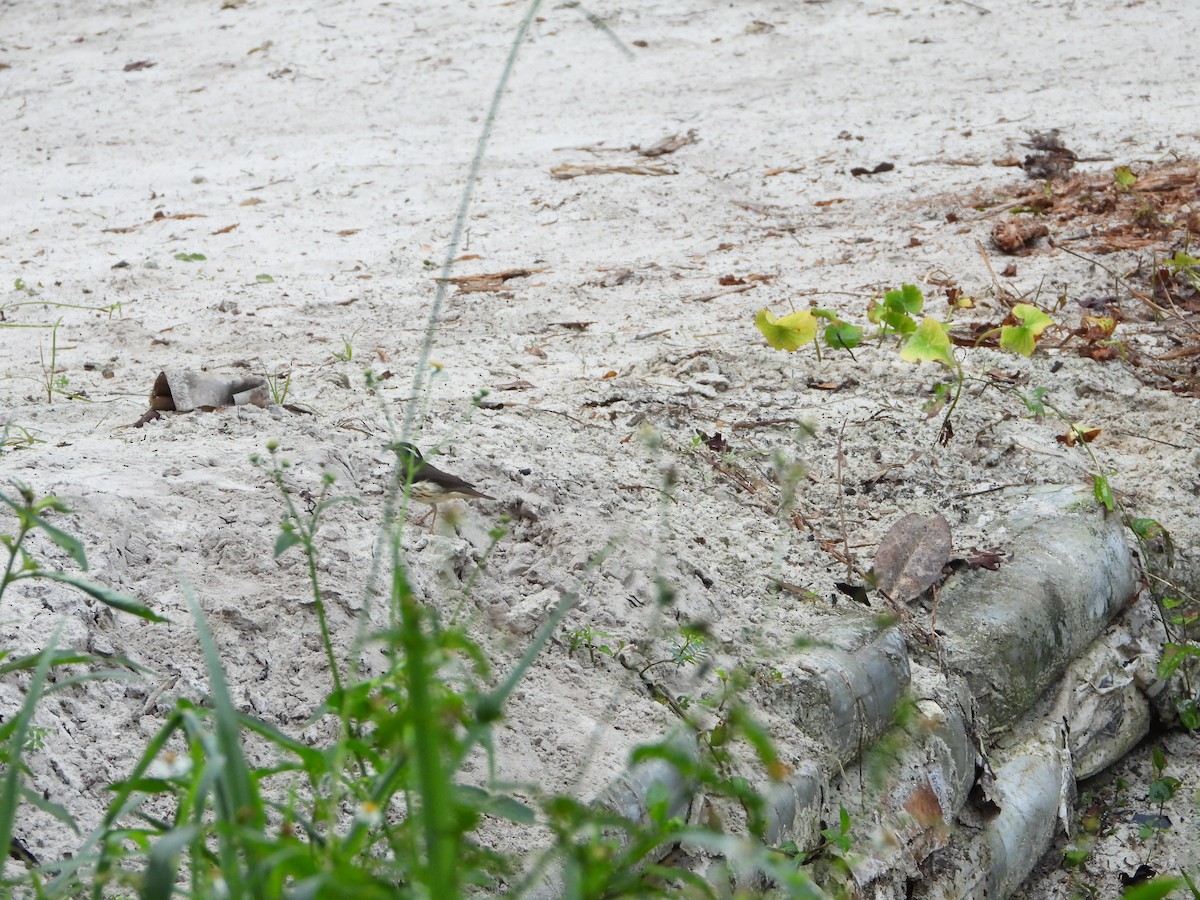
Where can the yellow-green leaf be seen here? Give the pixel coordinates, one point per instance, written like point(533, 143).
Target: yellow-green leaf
point(929, 343)
point(1023, 338)
point(791, 332)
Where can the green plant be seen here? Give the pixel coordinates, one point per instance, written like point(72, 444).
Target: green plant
point(585, 636)
point(190, 257)
point(925, 341)
point(31, 513)
point(347, 352)
point(18, 734)
point(299, 529)
point(1124, 179)
point(684, 651)
point(52, 379)
point(1184, 264)
point(1162, 789)
point(25, 437)
point(279, 383)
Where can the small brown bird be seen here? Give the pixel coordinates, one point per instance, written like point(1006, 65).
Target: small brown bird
point(429, 484)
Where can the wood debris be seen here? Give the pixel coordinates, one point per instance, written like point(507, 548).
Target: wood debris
point(567, 171)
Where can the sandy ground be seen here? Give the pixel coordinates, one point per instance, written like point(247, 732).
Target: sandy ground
point(326, 146)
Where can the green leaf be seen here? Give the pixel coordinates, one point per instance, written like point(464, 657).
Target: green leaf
point(1023, 338)
point(163, 859)
point(1152, 890)
point(842, 335)
point(1102, 491)
point(1189, 714)
point(1173, 657)
point(908, 299)
point(791, 332)
point(898, 321)
point(30, 519)
point(264, 279)
point(929, 343)
point(1146, 529)
point(1033, 402)
point(1075, 857)
point(286, 540)
point(190, 257)
point(1163, 789)
point(106, 595)
point(1181, 261)
point(1124, 178)
point(498, 805)
point(1158, 759)
point(10, 777)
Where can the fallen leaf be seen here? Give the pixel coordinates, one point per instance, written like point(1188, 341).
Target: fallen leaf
point(252, 201)
point(858, 171)
point(989, 558)
point(1078, 433)
point(519, 385)
point(487, 281)
point(346, 232)
point(669, 144)
point(615, 277)
point(225, 230)
point(574, 326)
point(727, 280)
point(911, 556)
point(139, 65)
point(1007, 377)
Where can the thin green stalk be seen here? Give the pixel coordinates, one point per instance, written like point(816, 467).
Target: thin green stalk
point(433, 779)
point(460, 218)
point(10, 781)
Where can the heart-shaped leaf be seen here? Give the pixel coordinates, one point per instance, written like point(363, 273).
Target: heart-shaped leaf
point(791, 332)
point(907, 299)
point(929, 343)
point(1023, 338)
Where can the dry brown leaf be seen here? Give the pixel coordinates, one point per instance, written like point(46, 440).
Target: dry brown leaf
point(487, 281)
point(911, 556)
point(669, 144)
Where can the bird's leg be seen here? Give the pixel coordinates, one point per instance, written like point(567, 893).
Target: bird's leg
point(432, 511)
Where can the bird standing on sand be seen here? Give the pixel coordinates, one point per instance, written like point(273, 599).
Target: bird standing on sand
point(429, 484)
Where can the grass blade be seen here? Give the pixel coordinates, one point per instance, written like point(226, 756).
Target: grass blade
point(10, 787)
point(105, 595)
